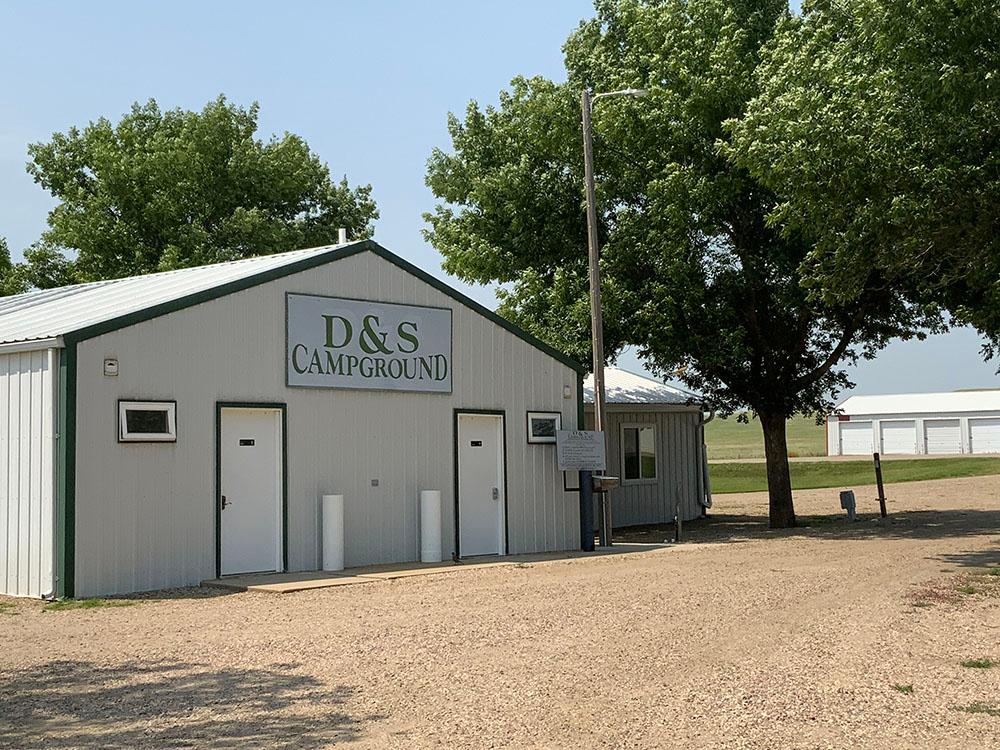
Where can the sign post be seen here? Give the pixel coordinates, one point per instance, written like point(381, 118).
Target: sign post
point(583, 451)
point(580, 449)
point(878, 481)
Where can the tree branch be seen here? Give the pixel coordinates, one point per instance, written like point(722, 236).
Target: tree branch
point(838, 351)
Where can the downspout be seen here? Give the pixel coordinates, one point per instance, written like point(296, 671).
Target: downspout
point(706, 498)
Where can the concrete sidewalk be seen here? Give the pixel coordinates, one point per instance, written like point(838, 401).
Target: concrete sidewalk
point(287, 583)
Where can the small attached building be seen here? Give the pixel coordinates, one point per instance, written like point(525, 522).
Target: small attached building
point(161, 430)
point(656, 446)
point(916, 423)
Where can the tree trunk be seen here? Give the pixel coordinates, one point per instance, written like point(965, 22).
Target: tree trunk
point(779, 483)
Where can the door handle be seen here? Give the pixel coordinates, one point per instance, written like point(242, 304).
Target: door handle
point(496, 493)
point(225, 502)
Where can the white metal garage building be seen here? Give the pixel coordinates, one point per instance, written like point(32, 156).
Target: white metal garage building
point(656, 446)
point(916, 423)
point(165, 429)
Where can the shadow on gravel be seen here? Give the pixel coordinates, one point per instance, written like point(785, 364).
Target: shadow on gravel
point(72, 704)
point(923, 524)
point(189, 592)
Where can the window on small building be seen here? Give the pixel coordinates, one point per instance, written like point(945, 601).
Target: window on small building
point(638, 452)
point(147, 421)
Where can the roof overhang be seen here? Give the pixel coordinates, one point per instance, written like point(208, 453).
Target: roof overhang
point(589, 407)
point(34, 345)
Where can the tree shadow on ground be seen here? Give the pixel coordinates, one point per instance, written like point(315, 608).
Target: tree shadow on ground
point(187, 592)
point(916, 524)
point(72, 704)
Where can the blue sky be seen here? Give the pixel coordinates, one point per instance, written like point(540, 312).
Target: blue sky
point(367, 84)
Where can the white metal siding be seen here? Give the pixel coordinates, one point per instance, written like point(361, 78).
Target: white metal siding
point(27, 452)
point(899, 437)
point(985, 435)
point(678, 468)
point(985, 423)
point(943, 436)
point(145, 512)
point(856, 438)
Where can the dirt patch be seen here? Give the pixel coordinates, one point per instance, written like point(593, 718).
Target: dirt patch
point(739, 638)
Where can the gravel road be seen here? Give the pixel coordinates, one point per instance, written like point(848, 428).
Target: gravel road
point(738, 638)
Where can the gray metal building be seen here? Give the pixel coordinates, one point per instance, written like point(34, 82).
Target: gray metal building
point(656, 446)
point(165, 429)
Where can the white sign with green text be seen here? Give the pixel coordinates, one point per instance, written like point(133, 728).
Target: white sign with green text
point(346, 343)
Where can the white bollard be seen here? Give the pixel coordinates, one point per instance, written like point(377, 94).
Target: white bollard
point(333, 532)
point(430, 526)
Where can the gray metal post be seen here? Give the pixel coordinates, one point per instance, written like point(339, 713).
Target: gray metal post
point(596, 319)
point(881, 488)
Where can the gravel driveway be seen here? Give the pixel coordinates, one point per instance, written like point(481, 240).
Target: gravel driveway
point(739, 638)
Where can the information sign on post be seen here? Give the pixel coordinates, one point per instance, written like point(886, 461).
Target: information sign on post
point(581, 450)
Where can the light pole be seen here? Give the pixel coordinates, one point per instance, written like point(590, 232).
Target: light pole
point(587, 100)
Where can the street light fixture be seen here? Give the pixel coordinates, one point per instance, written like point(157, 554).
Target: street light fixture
point(587, 100)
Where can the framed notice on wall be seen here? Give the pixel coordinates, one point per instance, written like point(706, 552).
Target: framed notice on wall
point(571, 481)
point(543, 426)
point(332, 342)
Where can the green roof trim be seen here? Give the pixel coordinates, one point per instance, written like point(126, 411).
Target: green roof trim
point(335, 254)
point(65, 532)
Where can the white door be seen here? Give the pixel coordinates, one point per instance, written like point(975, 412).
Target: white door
point(943, 436)
point(985, 435)
point(250, 489)
point(481, 489)
point(899, 436)
point(856, 439)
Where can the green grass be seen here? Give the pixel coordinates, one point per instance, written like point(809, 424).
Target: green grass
point(729, 438)
point(740, 477)
point(904, 689)
point(64, 604)
point(979, 664)
point(980, 708)
point(993, 572)
point(8, 608)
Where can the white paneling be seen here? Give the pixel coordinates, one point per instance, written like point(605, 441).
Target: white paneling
point(984, 435)
point(898, 436)
point(856, 439)
point(27, 452)
point(943, 436)
point(678, 467)
point(145, 512)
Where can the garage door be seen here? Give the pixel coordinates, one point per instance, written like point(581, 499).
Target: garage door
point(985, 434)
point(856, 439)
point(943, 435)
point(899, 437)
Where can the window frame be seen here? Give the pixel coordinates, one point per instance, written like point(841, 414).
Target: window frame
point(656, 458)
point(543, 439)
point(168, 407)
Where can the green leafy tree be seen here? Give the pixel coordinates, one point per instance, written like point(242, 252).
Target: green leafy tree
point(695, 274)
point(11, 278)
point(164, 190)
point(877, 125)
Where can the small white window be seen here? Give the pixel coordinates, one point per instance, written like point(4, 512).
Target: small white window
point(542, 426)
point(638, 452)
point(147, 421)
